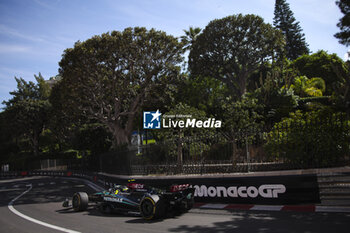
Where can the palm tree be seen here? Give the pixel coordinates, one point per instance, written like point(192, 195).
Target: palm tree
point(190, 37)
point(305, 87)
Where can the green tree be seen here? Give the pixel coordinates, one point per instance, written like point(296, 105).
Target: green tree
point(232, 48)
point(93, 138)
point(285, 21)
point(203, 93)
point(28, 110)
point(89, 142)
point(344, 23)
point(242, 123)
point(323, 65)
point(65, 119)
point(109, 77)
point(242, 116)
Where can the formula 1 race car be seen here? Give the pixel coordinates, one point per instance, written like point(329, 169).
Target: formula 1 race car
point(151, 202)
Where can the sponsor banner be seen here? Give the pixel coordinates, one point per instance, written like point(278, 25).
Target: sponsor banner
point(264, 191)
point(272, 190)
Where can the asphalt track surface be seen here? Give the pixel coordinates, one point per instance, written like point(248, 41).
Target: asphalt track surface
point(39, 202)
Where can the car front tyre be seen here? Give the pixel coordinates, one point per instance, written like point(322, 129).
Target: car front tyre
point(80, 201)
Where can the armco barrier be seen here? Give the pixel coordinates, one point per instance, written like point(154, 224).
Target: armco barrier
point(272, 190)
point(85, 175)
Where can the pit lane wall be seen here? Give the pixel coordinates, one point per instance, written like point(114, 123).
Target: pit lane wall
point(271, 190)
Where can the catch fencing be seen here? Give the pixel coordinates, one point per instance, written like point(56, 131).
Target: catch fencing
point(293, 145)
point(289, 145)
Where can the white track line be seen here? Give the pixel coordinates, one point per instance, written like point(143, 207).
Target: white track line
point(10, 206)
point(332, 209)
point(213, 206)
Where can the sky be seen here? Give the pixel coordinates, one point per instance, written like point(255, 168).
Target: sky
point(35, 33)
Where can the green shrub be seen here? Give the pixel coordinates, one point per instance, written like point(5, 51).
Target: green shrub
point(310, 139)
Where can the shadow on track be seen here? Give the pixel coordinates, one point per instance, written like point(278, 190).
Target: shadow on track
point(274, 222)
point(94, 211)
point(45, 190)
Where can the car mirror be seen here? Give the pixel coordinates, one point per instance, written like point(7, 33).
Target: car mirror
point(66, 203)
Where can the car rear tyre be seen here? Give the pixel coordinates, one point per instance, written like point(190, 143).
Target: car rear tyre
point(80, 201)
point(148, 208)
point(153, 207)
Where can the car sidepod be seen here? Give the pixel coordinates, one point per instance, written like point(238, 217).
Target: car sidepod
point(117, 203)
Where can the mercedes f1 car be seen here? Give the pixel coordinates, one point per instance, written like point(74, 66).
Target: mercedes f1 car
point(151, 202)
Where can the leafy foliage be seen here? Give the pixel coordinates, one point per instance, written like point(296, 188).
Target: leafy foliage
point(109, 77)
point(344, 23)
point(277, 100)
point(232, 48)
point(341, 94)
point(190, 37)
point(308, 87)
point(92, 137)
point(323, 65)
point(307, 139)
point(28, 110)
point(204, 93)
point(242, 116)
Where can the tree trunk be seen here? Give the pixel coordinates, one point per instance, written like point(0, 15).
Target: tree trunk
point(35, 143)
point(121, 135)
point(242, 84)
point(120, 138)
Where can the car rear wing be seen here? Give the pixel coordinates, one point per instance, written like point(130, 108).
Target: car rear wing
point(173, 188)
point(179, 187)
